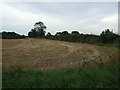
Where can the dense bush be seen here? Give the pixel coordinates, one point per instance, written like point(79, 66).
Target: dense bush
point(107, 37)
point(76, 38)
point(11, 35)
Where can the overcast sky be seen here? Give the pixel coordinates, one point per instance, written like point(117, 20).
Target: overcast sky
point(85, 17)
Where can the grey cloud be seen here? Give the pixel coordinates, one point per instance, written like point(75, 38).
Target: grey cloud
point(85, 17)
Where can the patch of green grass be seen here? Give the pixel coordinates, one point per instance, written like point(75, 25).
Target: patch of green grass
point(106, 76)
point(117, 45)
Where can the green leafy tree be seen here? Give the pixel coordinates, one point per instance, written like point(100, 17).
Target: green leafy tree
point(48, 34)
point(75, 32)
point(38, 31)
point(65, 33)
point(58, 33)
point(11, 35)
point(108, 36)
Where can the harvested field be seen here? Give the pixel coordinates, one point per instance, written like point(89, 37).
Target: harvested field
point(46, 54)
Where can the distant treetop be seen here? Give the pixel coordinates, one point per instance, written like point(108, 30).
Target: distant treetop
point(39, 25)
point(38, 31)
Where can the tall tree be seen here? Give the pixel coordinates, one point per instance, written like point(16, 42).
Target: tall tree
point(108, 36)
point(38, 30)
point(39, 25)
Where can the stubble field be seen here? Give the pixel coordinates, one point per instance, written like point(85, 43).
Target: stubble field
point(46, 54)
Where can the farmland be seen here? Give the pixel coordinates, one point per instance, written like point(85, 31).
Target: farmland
point(46, 54)
point(42, 63)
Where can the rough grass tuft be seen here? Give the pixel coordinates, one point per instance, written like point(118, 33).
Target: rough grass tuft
point(106, 76)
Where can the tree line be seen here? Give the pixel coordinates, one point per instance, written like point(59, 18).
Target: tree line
point(106, 36)
point(12, 35)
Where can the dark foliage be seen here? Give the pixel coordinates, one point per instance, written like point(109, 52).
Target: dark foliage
point(65, 33)
point(36, 34)
point(12, 35)
point(106, 36)
point(38, 31)
point(75, 32)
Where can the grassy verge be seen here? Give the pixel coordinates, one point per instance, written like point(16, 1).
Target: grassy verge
point(101, 76)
